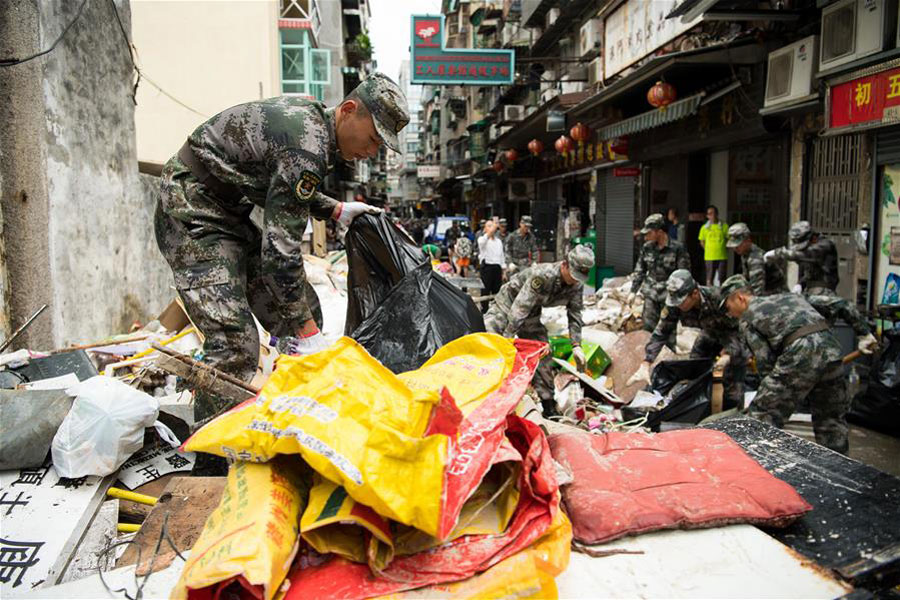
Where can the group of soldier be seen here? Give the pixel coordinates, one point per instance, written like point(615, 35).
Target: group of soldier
point(789, 335)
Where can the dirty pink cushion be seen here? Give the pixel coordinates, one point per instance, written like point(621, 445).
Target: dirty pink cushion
point(629, 483)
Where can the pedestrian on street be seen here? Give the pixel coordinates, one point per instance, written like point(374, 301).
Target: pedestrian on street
point(490, 251)
point(699, 306)
point(815, 255)
point(674, 228)
point(516, 310)
point(659, 258)
point(713, 236)
point(273, 154)
point(462, 251)
point(521, 246)
point(764, 277)
point(798, 356)
point(453, 233)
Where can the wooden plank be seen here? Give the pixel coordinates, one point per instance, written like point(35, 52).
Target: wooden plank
point(187, 501)
point(853, 527)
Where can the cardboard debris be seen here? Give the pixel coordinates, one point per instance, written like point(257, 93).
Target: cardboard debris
point(627, 356)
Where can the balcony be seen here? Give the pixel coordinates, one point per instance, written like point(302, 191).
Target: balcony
point(301, 14)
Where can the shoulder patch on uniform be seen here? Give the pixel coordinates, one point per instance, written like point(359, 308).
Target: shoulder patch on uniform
point(664, 313)
point(537, 283)
point(307, 184)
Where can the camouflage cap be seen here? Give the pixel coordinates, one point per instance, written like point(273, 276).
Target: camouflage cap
point(737, 233)
point(580, 259)
point(679, 286)
point(732, 285)
point(501, 222)
point(388, 105)
point(525, 220)
point(654, 221)
point(799, 234)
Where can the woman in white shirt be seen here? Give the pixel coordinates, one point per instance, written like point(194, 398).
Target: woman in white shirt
point(490, 250)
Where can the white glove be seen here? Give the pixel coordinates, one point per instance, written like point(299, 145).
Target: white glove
point(722, 362)
point(630, 299)
point(770, 256)
point(642, 374)
point(511, 268)
point(580, 360)
point(309, 342)
point(797, 289)
point(347, 211)
point(868, 344)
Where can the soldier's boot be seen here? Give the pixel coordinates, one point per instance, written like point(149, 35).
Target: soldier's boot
point(207, 405)
point(829, 403)
point(543, 385)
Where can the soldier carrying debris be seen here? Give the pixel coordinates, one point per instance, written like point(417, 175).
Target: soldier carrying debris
point(798, 355)
point(698, 306)
point(659, 257)
point(815, 255)
point(273, 154)
point(521, 246)
point(516, 310)
point(764, 277)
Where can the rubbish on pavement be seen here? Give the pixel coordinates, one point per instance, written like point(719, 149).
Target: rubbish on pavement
point(30, 420)
point(104, 427)
point(399, 309)
point(353, 420)
point(686, 385)
point(152, 462)
point(879, 406)
point(54, 365)
point(250, 539)
point(61, 382)
point(630, 483)
point(627, 356)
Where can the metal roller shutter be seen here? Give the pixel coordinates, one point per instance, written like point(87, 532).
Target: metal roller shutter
point(888, 152)
point(618, 240)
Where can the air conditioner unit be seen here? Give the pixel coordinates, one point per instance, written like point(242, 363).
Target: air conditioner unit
point(521, 189)
point(570, 87)
point(852, 29)
point(591, 36)
point(791, 72)
point(513, 112)
point(595, 71)
point(552, 15)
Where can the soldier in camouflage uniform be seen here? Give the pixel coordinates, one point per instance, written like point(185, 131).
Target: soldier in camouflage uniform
point(764, 277)
point(698, 306)
point(516, 309)
point(798, 355)
point(503, 232)
point(521, 246)
point(659, 257)
point(815, 255)
point(272, 154)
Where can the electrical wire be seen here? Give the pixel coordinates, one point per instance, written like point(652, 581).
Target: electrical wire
point(11, 62)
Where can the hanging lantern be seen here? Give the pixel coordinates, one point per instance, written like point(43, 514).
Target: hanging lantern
point(535, 146)
point(580, 133)
point(497, 166)
point(661, 95)
point(619, 146)
point(512, 155)
point(563, 144)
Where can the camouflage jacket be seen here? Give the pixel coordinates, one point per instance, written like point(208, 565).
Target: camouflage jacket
point(276, 152)
point(770, 319)
point(518, 247)
point(655, 264)
point(538, 286)
point(716, 323)
point(818, 264)
point(763, 278)
point(833, 307)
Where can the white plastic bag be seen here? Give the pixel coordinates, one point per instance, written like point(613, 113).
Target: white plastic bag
point(105, 427)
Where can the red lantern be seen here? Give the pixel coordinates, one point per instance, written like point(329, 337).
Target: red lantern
point(512, 155)
point(580, 132)
point(661, 95)
point(497, 166)
point(563, 144)
point(535, 146)
point(619, 146)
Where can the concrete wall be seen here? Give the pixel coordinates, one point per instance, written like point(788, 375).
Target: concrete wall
point(78, 230)
point(331, 37)
point(207, 55)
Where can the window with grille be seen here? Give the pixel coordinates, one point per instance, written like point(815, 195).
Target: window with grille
point(304, 70)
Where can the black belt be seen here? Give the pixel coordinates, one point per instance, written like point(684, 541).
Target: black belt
point(803, 332)
point(222, 190)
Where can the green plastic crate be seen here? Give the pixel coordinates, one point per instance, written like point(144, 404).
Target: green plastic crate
point(597, 359)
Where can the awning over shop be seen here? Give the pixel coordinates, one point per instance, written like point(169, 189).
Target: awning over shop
point(653, 118)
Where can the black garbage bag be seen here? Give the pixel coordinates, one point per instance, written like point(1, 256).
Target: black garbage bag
point(878, 407)
point(688, 383)
point(398, 308)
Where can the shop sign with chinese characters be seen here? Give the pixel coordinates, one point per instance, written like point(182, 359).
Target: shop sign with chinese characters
point(434, 64)
point(869, 101)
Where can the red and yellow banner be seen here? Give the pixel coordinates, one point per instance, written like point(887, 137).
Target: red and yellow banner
point(873, 100)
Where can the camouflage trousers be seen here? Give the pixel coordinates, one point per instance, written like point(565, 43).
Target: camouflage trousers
point(216, 263)
point(710, 346)
point(495, 321)
point(801, 371)
point(653, 307)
